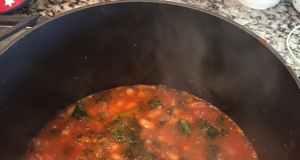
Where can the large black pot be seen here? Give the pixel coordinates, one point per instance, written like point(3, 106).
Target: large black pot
point(105, 46)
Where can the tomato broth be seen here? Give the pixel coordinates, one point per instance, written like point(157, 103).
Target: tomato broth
point(141, 122)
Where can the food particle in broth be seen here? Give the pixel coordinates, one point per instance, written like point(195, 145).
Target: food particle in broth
point(141, 122)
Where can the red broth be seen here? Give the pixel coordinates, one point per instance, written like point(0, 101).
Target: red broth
point(143, 123)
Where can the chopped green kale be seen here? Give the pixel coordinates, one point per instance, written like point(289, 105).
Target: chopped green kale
point(127, 113)
point(101, 116)
point(128, 132)
point(210, 131)
point(161, 123)
point(127, 153)
point(201, 123)
point(212, 152)
point(181, 104)
point(170, 111)
point(78, 113)
point(125, 135)
point(117, 118)
point(152, 157)
point(154, 103)
point(156, 144)
point(78, 137)
point(220, 119)
point(104, 97)
point(183, 127)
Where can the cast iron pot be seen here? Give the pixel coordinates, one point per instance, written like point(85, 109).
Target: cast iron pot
point(104, 46)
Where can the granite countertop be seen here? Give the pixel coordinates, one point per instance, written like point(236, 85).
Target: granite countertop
point(272, 24)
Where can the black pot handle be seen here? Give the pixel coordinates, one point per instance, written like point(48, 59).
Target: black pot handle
point(28, 21)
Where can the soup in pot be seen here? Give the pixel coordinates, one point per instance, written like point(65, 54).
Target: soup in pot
point(142, 122)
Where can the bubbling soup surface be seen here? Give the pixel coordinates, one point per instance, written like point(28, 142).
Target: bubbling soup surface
point(142, 122)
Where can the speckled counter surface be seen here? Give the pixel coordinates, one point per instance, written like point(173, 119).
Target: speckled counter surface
point(272, 24)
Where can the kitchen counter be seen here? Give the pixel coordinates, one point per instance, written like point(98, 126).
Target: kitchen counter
point(272, 24)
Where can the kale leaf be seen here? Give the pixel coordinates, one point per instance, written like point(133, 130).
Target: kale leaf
point(78, 113)
point(104, 97)
point(154, 103)
point(183, 127)
point(210, 131)
point(213, 151)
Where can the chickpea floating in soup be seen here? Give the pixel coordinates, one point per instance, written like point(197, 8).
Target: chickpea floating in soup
point(143, 123)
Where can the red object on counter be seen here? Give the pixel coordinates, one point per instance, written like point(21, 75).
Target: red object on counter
point(8, 6)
